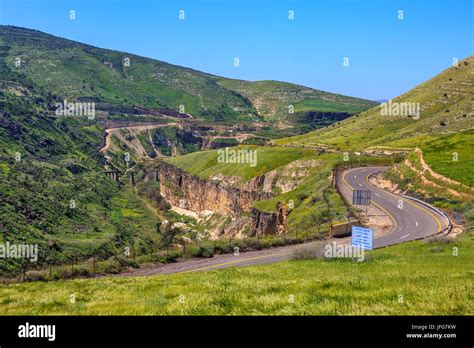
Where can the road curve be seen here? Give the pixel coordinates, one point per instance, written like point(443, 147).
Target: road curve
point(411, 220)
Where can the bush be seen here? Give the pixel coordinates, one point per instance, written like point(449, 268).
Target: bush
point(172, 256)
point(309, 251)
point(35, 276)
point(112, 267)
point(202, 251)
point(438, 240)
point(80, 272)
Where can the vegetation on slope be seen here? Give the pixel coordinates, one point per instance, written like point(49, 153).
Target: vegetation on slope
point(443, 132)
point(74, 70)
point(205, 163)
point(451, 155)
point(415, 278)
point(275, 100)
point(52, 188)
point(446, 108)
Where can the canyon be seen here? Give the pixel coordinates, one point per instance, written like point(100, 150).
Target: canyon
point(186, 191)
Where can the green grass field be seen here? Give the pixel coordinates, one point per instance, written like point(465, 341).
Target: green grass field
point(204, 163)
point(321, 105)
point(439, 154)
point(416, 278)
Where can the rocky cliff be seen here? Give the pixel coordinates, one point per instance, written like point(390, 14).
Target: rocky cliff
point(184, 190)
point(264, 223)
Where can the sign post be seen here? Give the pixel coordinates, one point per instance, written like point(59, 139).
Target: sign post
point(361, 197)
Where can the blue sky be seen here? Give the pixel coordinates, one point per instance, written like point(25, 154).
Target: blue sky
point(387, 56)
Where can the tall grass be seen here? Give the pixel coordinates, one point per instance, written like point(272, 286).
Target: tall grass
point(415, 278)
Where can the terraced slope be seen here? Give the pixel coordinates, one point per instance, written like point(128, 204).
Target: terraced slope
point(275, 100)
point(117, 80)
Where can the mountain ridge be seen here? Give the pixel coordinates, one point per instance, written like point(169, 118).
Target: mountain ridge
point(153, 83)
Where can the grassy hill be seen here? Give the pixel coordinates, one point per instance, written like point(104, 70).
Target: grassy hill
point(52, 189)
point(272, 99)
point(204, 163)
point(446, 103)
point(74, 70)
point(444, 132)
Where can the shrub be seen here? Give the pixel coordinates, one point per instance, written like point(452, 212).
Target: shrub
point(309, 251)
point(202, 251)
point(171, 256)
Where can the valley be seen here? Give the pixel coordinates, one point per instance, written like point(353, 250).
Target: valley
point(150, 185)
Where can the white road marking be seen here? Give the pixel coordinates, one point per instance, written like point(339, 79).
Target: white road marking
point(378, 195)
point(355, 176)
point(404, 236)
point(360, 185)
point(416, 222)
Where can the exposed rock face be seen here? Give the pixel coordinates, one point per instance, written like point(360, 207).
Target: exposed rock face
point(264, 223)
point(184, 190)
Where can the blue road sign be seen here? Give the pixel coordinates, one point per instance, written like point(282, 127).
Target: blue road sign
point(362, 237)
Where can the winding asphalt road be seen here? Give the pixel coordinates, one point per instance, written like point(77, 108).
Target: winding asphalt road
point(410, 219)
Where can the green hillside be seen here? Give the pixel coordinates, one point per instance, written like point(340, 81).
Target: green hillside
point(205, 163)
point(273, 99)
point(52, 189)
point(446, 108)
point(74, 70)
point(443, 132)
